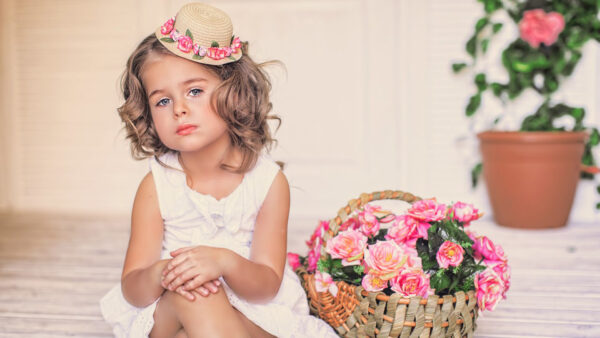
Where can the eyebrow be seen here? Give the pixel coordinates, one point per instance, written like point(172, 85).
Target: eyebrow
point(184, 83)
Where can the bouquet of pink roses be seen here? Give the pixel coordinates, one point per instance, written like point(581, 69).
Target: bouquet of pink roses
point(428, 250)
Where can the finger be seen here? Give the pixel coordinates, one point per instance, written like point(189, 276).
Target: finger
point(180, 258)
point(194, 283)
point(202, 290)
point(176, 270)
point(180, 250)
point(177, 276)
point(189, 295)
point(211, 286)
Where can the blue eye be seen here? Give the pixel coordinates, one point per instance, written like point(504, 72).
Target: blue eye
point(163, 102)
point(195, 91)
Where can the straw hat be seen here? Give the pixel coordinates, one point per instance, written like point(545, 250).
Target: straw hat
point(201, 33)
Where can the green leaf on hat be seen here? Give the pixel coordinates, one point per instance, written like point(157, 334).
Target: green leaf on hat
point(230, 42)
point(214, 44)
point(197, 57)
point(169, 40)
point(188, 33)
point(231, 57)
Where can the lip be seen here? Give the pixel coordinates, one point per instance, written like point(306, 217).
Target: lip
point(185, 129)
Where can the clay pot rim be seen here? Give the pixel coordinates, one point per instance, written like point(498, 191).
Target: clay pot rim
point(533, 136)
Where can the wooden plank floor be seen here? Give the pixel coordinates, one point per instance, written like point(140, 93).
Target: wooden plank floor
point(55, 268)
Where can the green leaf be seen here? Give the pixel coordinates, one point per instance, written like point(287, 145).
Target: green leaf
point(188, 33)
point(336, 264)
point(474, 103)
point(476, 174)
point(598, 206)
point(497, 27)
point(497, 88)
point(481, 23)
point(169, 40)
point(471, 46)
point(359, 269)
point(231, 58)
point(324, 265)
point(197, 57)
point(439, 281)
point(214, 44)
point(457, 67)
point(594, 138)
point(480, 82)
point(484, 45)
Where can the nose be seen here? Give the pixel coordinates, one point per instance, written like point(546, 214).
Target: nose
point(179, 109)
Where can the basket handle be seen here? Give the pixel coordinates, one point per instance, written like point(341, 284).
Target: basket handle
point(355, 204)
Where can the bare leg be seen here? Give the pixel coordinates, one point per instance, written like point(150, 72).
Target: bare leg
point(210, 316)
point(166, 323)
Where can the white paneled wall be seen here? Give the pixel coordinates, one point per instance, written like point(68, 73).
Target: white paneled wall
point(367, 98)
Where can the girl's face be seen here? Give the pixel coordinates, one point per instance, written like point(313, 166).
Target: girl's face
point(179, 93)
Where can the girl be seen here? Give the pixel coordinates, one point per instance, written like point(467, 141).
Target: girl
point(206, 256)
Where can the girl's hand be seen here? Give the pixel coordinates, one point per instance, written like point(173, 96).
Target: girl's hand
point(204, 290)
point(193, 267)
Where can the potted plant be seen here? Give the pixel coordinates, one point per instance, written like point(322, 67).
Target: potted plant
point(531, 174)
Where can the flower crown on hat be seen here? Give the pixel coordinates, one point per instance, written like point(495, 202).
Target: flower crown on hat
point(185, 43)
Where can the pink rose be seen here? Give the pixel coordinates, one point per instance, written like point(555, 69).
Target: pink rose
point(503, 271)
point(538, 27)
point(373, 283)
point(412, 257)
point(369, 224)
point(412, 282)
point(318, 233)
point(449, 254)
point(428, 210)
point(484, 247)
point(324, 283)
point(489, 289)
point(464, 213)
point(185, 44)
point(348, 245)
point(313, 258)
point(167, 27)
point(351, 223)
point(236, 44)
point(384, 259)
point(293, 260)
point(175, 35)
point(406, 230)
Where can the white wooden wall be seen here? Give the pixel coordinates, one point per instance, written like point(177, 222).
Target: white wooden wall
point(368, 100)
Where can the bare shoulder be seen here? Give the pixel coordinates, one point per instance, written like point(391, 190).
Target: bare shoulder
point(280, 184)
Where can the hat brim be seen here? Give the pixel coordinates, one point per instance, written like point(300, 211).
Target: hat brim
point(172, 47)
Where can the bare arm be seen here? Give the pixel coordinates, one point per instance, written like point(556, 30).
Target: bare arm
point(140, 280)
point(258, 279)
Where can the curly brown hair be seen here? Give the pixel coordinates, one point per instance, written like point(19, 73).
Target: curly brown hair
point(241, 100)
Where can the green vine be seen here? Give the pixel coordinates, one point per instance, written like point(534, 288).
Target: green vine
point(541, 69)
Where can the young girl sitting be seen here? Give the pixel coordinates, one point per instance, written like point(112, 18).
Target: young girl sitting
point(206, 256)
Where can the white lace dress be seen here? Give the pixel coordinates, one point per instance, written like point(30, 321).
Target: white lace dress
point(192, 218)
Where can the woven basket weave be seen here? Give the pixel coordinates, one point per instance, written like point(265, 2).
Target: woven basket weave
point(354, 312)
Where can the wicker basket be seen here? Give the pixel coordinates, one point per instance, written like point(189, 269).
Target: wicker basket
point(354, 312)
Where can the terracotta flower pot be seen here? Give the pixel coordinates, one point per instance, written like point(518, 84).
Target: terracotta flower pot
point(531, 176)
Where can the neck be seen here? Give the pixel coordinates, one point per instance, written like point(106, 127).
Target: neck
point(210, 159)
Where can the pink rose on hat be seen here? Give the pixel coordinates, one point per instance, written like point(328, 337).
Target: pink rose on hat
point(537, 27)
point(449, 254)
point(167, 27)
point(185, 44)
point(348, 245)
